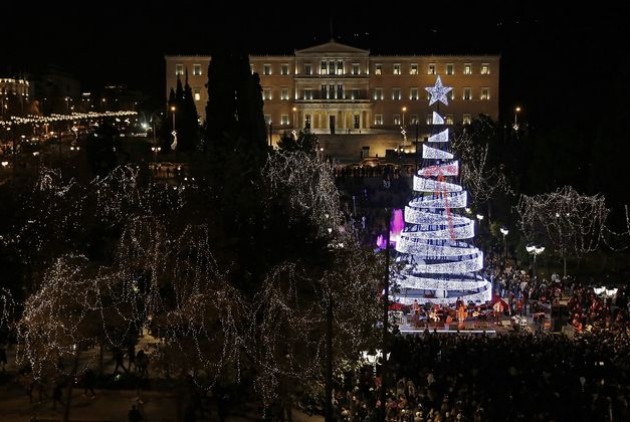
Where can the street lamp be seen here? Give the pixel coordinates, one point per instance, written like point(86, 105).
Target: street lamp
point(504, 232)
point(515, 125)
point(535, 251)
point(174, 133)
point(402, 128)
point(295, 122)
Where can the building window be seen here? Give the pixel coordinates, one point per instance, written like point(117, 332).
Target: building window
point(340, 92)
point(323, 68)
point(429, 119)
point(378, 120)
point(485, 94)
point(308, 94)
point(331, 67)
point(339, 67)
point(284, 69)
point(467, 69)
point(413, 69)
point(284, 120)
point(179, 69)
point(356, 69)
point(197, 94)
point(451, 95)
point(266, 69)
point(308, 69)
point(485, 68)
point(355, 94)
point(396, 68)
point(378, 69)
point(267, 94)
point(196, 70)
point(450, 69)
point(284, 94)
point(251, 68)
point(307, 121)
point(397, 120)
point(413, 94)
point(431, 70)
point(396, 96)
point(449, 119)
point(467, 94)
point(268, 118)
point(414, 119)
point(467, 119)
point(378, 94)
point(357, 121)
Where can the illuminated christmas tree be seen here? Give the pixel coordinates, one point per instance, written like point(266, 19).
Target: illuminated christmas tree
point(438, 264)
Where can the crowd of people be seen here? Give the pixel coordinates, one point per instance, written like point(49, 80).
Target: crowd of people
point(505, 378)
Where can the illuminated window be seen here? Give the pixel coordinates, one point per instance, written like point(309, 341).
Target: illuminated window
point(485, 68)
point(467, 69)
point(268, 118)
point(308, 69)
point(196, 70)
point(331, 67)
point(450, 69)
point(356, 70)
point(284, 120)
point(378, 120)
point(378, 94)
point(266, 69)
point(413, 70)
point(467, 119)
point(340, 92)
point(251, 67)
point(355, 94)
point(308, 94)
point(197, 94)
point(378, 69)
point(396, 68)
point(485, 94)
point(339, 67)
point(179, 69)
point(431, 69)
point(307, 121)
point(284, 94)
point(449, 119)
point(397, 120)
point(414, 119)
point(284, 69)
point(451, 95)
point(467, 94)
point(267, 94)
point(396, 94)
point(429, 119)
point(413, 94)
point(323, 68)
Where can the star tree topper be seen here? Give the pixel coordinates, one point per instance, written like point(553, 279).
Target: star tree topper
point(438, 92)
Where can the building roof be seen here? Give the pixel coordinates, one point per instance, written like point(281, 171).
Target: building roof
point(332, 46)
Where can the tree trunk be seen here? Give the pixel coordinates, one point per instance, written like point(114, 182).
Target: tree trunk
point(564, 262)
point(75, 366)
point(101, 358)
point(383, 411)
point(328, 411)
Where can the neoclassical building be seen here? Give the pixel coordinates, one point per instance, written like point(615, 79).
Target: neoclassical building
point(334, 88)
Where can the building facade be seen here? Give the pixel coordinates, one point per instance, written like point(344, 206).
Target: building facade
point(334, 88)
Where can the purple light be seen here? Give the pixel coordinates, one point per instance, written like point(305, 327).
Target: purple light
point(380, 242)
point(396, 225)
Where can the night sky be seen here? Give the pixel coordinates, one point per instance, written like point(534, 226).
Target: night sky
point(551, 57)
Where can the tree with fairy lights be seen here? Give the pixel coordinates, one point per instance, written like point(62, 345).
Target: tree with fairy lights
point(571, 223)
point(439, 265)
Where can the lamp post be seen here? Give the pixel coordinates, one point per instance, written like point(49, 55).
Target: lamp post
point(504, 232)
point(174, 132)
point(403, 130)
point(295, 122)
point(534, 251)
point(515, 125)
